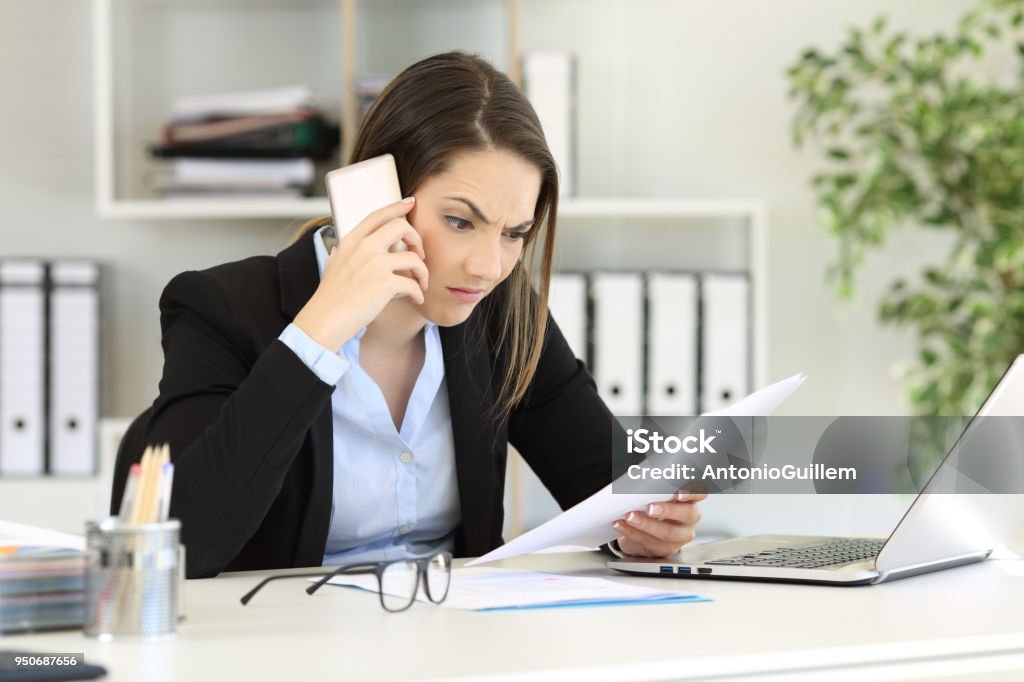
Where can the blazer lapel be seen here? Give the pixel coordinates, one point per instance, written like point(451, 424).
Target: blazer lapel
point(299, 278)
point(468, 375)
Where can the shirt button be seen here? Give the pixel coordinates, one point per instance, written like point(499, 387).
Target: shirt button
point(405, 457)
point(404, 529)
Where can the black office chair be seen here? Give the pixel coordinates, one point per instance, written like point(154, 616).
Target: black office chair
point(128, 452)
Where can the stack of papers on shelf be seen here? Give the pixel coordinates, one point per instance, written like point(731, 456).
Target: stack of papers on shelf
point(205, 177)
point(258, 143)
point(41, 588)
point(239, 104)
point(501, 589)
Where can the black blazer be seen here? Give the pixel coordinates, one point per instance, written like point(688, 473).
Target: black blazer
point(250, 425)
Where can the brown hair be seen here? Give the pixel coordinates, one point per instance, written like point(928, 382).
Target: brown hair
point(456, 102)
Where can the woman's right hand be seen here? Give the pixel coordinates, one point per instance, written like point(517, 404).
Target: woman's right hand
point(361, 276)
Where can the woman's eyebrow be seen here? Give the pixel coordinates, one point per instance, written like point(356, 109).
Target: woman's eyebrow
point(479, 214)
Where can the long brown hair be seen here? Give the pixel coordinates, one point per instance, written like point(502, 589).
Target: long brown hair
point(456, 102)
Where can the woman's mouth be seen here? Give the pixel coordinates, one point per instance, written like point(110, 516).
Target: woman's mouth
point(467, 295)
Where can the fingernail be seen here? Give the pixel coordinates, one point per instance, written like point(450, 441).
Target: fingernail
point(654, 509)
point(682, 497)
point(618, 526)
point(409, 199)
point(633, 518)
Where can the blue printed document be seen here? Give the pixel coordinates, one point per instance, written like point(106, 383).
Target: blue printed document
point(501, 589)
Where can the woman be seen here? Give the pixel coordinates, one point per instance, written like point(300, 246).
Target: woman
point(342, 403)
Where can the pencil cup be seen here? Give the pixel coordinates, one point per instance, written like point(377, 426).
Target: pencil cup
point(132, 579)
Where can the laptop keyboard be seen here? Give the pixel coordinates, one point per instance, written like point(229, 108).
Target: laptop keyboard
point(827, 553)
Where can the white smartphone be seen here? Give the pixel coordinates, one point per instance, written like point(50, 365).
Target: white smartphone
point(358, 190)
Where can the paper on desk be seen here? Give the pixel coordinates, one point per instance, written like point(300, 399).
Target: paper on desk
point(19, 534)
point(589, 523)
point(493, 589)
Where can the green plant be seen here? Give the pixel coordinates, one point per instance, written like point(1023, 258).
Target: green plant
point(914, 135)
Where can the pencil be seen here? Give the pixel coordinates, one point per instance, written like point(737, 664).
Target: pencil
point(165, 499)
point(131, 489)
point(163, 457)
point(146, 467)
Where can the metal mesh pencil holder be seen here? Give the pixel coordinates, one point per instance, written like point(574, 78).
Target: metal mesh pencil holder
point(132, 579)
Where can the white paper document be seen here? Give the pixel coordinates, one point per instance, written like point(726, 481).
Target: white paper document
point(490, 589)
point(589, 523)
point(20, 535)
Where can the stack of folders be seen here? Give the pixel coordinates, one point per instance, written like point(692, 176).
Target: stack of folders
point(659, 343)
point(49, 367)
point(258, 143)
point(147, 495)
point(41, 588)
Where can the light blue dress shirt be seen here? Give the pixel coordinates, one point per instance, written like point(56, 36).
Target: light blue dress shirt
point(395, 491)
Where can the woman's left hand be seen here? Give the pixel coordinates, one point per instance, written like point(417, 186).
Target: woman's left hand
point(661, 529)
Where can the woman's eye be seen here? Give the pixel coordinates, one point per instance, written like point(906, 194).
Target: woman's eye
point(518, 235)
point(457, 223)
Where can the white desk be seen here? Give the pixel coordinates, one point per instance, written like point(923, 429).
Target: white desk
point(967, 623)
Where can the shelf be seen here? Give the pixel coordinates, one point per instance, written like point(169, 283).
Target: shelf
point(587, 207)
point(217, 208)
point(571, 207)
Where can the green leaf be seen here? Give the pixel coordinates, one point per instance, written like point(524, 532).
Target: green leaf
point(894, 44)
point(838, 153)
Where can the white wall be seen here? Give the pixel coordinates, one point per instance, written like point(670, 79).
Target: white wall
point(686, 98)
point(677, 98)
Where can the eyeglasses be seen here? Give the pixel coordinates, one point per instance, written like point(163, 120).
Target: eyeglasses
point(397, 581)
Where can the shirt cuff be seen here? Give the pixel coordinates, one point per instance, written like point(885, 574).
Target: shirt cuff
point(328, 366)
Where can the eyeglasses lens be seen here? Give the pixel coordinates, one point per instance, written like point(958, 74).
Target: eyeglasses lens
point(439, 575)
point(398, 585)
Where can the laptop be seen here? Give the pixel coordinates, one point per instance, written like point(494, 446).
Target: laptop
point(940, 530)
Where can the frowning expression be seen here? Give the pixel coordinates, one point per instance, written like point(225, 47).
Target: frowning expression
point(473, 218)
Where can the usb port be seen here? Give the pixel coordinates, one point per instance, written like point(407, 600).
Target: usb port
point(666, 569)
point(684, 569)
point(703, 571)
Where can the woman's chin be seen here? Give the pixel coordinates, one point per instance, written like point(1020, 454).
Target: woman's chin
point(446, 316)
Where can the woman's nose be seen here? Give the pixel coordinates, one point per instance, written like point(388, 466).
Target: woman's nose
point(484, 261)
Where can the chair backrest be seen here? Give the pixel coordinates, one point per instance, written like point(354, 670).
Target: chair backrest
point(128, 452)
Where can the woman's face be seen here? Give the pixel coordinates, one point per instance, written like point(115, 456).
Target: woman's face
point(473, 219)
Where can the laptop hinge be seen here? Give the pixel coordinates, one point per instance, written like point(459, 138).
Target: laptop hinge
point(929, 566)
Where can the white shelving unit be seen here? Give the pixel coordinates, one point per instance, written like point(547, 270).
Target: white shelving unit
point(146, 52)
point(674, 223)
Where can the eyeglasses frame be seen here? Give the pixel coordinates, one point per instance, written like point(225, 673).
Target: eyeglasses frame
point(376, 568)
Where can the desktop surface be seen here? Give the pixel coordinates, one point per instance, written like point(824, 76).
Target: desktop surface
point(968, 617)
